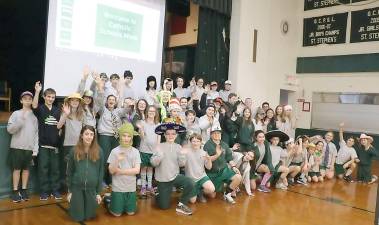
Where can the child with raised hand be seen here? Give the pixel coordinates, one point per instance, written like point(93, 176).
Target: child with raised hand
point(346, 157)
point(72, 120)
point(84, 176)
point(314, 159)
point(23, 126)
point(149, 140)
point(124, 164)
point(366, 152)
point(48, 135)
point(197, 159)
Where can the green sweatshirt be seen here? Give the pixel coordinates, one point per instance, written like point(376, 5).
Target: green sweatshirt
point(267, 158)
point(85, 174)
point(222, 161)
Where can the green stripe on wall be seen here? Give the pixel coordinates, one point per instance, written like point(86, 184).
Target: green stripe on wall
point(338, 64)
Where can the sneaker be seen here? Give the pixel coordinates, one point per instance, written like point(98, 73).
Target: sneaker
point(24, 194)
point(228, 197)
point(281, 186)
point(301, 181)
point(151, 190)
point(201, 198)
point(105, 186)
point(348, 179)
point(57, 195)
point(264, 189)
point(183, 209)
point(143, 193)
point(44, 197)
point(107, 200)
point(291, 182)
point(16, 197)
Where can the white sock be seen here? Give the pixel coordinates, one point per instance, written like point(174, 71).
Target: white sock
point(143, 178)
point(149, 178)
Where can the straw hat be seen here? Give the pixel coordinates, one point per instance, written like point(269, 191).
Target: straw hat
point(364, 136)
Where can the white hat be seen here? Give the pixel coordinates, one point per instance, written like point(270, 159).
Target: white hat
point(228, 82)
point(215, 128)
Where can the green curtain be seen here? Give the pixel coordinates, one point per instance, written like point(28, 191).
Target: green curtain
point(220, 6)
point(212, 50)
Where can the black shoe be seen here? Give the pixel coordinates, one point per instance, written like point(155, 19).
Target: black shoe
point(348, 179)
point(57, 195)
point(185, 210)
point(44, 197)
point(24, 194)
point(16, 197)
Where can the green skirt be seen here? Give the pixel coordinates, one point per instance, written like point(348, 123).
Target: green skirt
point(83, 204)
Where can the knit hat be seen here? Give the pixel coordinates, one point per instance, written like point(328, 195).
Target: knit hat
point(174, 104)
point(127, 128)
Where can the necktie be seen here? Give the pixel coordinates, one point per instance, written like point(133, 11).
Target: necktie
point(326, 158)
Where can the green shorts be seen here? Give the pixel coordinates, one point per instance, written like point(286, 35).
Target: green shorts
point(199, 185)
point(221, 177)
point(20, 159)
point(122, 202)
point(313, 174)
point(339, 169)
point(145, 159)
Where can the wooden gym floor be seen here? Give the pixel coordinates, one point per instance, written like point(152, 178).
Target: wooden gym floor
point(332, 202)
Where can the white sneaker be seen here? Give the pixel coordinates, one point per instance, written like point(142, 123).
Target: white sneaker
point(281, 186)
point(228, 197)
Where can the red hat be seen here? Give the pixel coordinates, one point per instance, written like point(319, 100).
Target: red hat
point(174, 104)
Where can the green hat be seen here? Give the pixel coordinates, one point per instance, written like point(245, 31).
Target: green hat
point(127, 128)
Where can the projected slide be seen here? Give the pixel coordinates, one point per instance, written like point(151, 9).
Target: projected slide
point(108, 35)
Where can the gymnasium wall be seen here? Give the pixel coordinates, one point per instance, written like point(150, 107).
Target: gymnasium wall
point(279, 55)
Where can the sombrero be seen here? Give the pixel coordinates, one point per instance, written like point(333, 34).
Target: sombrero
point(283, 137)
point(169, 124)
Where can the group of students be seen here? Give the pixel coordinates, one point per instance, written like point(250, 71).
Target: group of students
point(197, 139)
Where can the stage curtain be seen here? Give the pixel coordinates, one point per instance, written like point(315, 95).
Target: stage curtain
point(212, 50)
point(220, 6)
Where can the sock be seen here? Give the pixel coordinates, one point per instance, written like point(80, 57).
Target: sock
point(150, 179)
point(266, 177)
point(143, 178)
point(348, 172)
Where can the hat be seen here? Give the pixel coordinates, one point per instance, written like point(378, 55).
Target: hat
point(364, 136)
point(215, 128)
point(283, 137)
point(115, 75)
point(214, 83)
point(88, 93)
point(219, 100)
point(169, 124)
point(228, 82)
point(311, 145)
point(174, 104)
point(128, 73)
point(127, 128)
point(287, 107)
point(73, 95)
point(26, 93)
